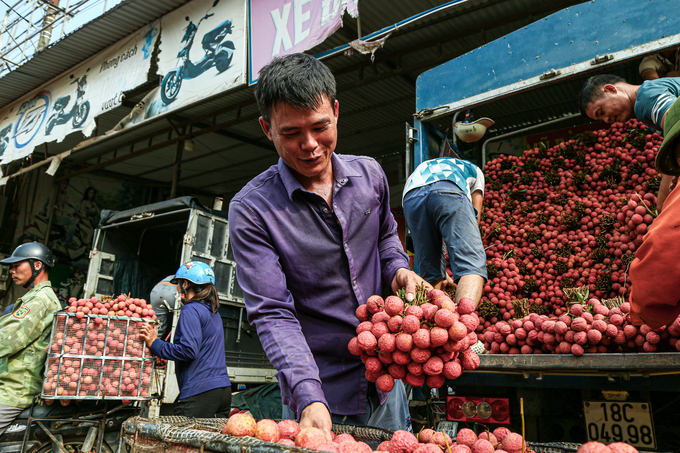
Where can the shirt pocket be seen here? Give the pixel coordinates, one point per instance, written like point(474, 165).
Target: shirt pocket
point(29, 356)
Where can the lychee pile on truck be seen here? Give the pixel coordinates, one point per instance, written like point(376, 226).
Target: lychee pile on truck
point(554, 223)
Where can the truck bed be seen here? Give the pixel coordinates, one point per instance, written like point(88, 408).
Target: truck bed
point(639, 364)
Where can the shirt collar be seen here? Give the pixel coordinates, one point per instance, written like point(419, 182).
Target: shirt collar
point(341, 172)
point(37, 287)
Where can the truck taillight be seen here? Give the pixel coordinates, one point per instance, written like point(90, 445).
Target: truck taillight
point(474, 409)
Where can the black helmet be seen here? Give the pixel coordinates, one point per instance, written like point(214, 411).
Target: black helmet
point(31, 251)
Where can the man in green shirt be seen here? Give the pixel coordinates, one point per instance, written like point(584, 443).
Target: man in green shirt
point(25, 331)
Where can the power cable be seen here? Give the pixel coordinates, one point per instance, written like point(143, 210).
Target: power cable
point(18, 14)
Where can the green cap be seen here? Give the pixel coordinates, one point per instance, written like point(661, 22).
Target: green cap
point(666, 162)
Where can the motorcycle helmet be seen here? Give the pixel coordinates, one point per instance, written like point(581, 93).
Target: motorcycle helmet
point(31, 252)
point(197, 272)
point(469, 130)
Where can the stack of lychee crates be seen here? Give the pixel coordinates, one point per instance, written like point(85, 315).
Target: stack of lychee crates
point(97, 357)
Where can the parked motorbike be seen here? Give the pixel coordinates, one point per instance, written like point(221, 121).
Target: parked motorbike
point(217, 53)
point(76, 426)
point(4, 138)
point(78, 111)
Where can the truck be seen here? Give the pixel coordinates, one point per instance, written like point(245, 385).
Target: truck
point(528, 82)
point(135, 249)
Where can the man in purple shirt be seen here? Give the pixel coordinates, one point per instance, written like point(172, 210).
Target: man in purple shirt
point(313, 237)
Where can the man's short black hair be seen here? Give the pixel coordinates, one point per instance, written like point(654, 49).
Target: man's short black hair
point(592, 90)
point(298, 79)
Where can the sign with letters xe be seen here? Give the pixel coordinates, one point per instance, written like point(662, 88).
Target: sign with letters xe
point(282, 27)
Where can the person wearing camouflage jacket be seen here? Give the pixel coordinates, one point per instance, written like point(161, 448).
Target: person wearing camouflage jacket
point(24, 333)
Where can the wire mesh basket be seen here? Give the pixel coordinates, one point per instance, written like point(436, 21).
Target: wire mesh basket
point(177, 434)
point(95, 357)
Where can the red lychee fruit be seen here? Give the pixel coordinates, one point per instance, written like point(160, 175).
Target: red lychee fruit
point(428, 310)
point(240, 425)
point(593, 447)
point(386, 343)
point(403, 442)
point(385, 383)
point(267, 430)
point(578, 324)
point(452, 370)
point(460, 449)
point(397, 371)
point(365, 326)
point(621, 447)
point(512, 443)
point(488, 436)
point(330, 446)
point(425, 435)
point(422, 338)
point(428, 448)
point(413, 380)
point(362, 313)
point(344, 437)
point(442, 439)
point(363, 447)
point(394, 323)
point(353, 346)
point(410, 324)
point(285, 441)
point(433, 366)
point(482, 446)
point(457, 331)
point(466, 436)
point(394, 305)
point(500, 433)
point(466, 306)
point(404, 342)
point(438, 336)
point(435, 382)
point(420, 355)
point(470, 321)
point(367, 341)
point(375, 304)
point(311, 437)
point(470, 360)
point(288, 429)
point(348, 446)
point(444, 318)
point(384, 446)
point(414, 310)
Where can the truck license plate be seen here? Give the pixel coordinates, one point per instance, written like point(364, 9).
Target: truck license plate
point(609, 421)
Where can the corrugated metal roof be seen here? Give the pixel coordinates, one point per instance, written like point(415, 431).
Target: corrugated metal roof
point(376, 99)
point(76, 47)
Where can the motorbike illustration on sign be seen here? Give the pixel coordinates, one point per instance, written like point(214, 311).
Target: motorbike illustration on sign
point(218, 53)
point(78, 112)
point(4, 138)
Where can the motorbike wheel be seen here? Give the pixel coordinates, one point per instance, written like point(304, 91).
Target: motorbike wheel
point(81, 114)
point(73, 445)
point(50, 125)
point(223, 62)
point(170, 86)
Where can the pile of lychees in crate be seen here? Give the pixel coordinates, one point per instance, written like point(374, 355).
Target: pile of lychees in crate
point(95, 351)
point(422, 342)
point(288, 432)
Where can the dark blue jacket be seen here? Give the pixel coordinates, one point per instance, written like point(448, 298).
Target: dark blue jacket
point(198, 350)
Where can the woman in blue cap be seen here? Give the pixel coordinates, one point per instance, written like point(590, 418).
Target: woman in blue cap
point(198, 346)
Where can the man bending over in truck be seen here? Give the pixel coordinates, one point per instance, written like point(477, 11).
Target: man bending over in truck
point(611, 99)
point(443, 200)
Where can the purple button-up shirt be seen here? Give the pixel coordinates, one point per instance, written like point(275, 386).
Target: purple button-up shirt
point(304, 267)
